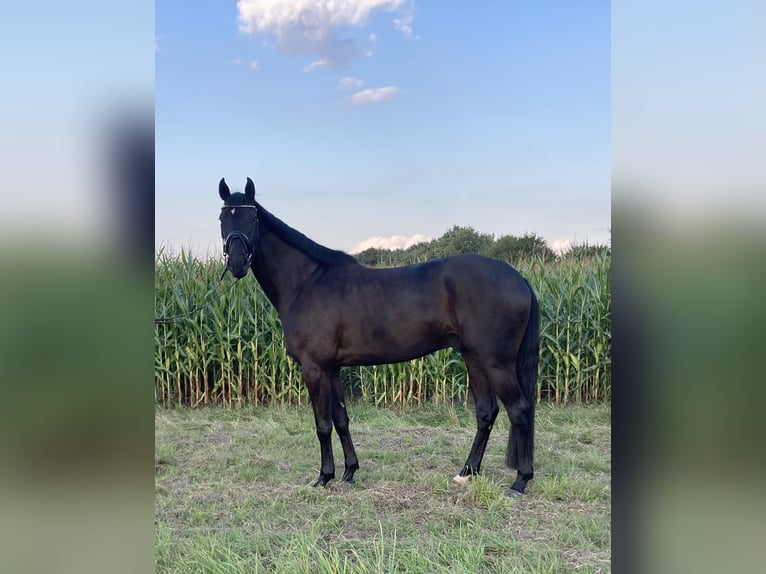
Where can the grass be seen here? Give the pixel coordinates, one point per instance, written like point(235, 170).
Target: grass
point(233, 494)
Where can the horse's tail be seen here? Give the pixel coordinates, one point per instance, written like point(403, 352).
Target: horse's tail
point(527, 360)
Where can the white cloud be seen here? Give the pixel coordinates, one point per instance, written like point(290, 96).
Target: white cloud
point(371, 41)
point(254, 65)
point(374, 95)
point(311, 27)
point(393, 242)
point(349, 82)
point(560, 246)
point(316, 64)
point(404, 23)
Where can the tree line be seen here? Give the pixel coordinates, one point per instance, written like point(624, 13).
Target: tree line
point(460, 239)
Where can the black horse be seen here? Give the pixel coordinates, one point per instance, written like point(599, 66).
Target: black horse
point(336, 312)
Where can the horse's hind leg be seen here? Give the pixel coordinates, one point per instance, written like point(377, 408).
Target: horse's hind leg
point(486, 413)
point(521, 437)
point(340, 418)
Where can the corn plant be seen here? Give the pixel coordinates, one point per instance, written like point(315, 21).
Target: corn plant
point(232, 351)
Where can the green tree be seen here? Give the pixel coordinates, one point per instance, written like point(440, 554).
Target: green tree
point(462, 240)
point(514, 249)
point(375, 257)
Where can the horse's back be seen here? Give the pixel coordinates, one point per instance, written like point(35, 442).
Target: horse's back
point(486, 279)
point(468, 282)
point(465, 294)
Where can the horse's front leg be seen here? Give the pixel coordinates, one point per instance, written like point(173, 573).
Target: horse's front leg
point(319, 384)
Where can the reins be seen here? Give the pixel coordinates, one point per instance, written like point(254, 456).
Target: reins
point(205, 303)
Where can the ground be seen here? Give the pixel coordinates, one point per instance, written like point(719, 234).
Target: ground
point(233, 494)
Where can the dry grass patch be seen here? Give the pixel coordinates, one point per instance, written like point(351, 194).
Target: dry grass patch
point(233, 494)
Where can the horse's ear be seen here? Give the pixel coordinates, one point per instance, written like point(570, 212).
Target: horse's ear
point(250, 190)
point(223, 189)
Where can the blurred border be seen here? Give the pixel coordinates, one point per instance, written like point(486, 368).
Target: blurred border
point(76, 287)
point(688, 184)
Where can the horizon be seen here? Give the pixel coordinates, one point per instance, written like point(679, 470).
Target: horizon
point(386, 243)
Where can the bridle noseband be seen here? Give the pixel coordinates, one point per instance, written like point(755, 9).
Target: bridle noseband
point(242, 236)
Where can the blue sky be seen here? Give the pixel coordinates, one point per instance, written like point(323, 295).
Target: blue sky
point(380, 118)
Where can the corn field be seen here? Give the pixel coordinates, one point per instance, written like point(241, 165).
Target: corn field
point(231, 352)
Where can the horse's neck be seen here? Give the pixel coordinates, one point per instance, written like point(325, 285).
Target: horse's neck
point(281, 270)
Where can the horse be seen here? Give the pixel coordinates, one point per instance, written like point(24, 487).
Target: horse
point(337, 312)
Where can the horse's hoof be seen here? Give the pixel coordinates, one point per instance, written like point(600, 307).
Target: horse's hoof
point(461, 480)
point(511, 493)
point(322, 480)
point(348, 475)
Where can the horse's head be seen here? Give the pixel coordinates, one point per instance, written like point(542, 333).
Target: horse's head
point(239, 227)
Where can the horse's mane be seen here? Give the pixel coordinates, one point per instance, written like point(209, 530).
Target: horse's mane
point(299, 241)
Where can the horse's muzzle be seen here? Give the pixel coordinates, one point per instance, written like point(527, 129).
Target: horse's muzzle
point(239, 264)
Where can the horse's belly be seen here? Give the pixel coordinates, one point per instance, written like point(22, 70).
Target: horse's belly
point(393, 343)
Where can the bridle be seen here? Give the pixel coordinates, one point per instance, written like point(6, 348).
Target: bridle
point(242, 236)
